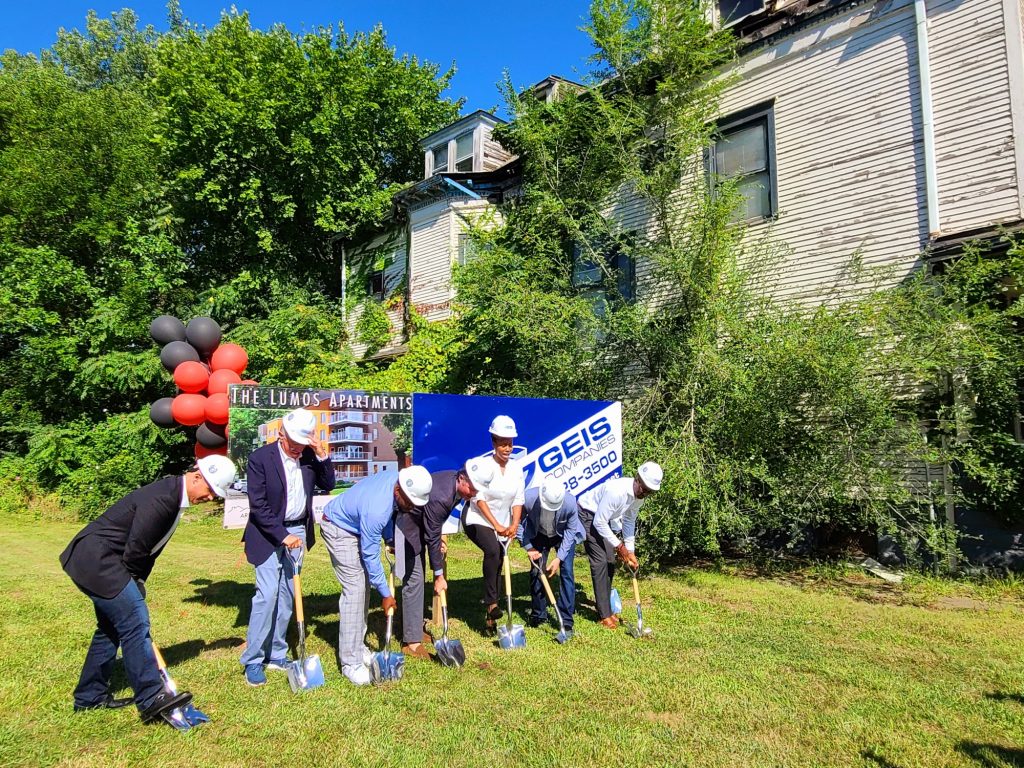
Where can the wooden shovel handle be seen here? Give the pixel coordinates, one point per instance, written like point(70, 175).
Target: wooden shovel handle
point(443, 597)
point(636, 589)
point(160, 663)
point(297, 583)
point(546, 583)
point(508, 575)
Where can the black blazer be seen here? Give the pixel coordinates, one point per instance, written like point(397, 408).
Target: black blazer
point(268, 498)
point(118, 545)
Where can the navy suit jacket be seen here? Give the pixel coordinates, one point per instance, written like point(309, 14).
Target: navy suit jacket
point(268, 498)
point(567, 523)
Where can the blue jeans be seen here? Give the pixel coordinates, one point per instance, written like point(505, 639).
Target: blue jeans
point(566, 597)
point(272, 605)
point(122, 621)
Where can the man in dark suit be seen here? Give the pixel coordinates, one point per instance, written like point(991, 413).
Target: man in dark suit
point(280, 478)
point(110, 560)
point(418, 529)
point(551, 521)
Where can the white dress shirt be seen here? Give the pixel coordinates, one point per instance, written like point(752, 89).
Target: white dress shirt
point(615, 508)
point(507, 490)
point(182, 505)
point(296, 506)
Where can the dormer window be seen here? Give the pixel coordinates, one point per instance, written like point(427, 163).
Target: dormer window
point(440, 158)
point(464, 152)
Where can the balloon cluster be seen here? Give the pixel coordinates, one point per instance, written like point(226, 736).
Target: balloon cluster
point(203, 368)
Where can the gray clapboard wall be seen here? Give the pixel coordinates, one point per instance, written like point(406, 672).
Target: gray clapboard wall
point(849, 143)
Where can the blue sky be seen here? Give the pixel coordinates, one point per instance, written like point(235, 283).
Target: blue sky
point(531, 39)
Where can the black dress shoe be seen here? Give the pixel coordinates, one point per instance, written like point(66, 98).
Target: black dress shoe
point(534, 622)
point(165, 702)
point(108, 703)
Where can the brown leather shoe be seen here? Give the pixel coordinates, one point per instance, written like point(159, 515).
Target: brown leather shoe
point(419, 652)
point(609, 623)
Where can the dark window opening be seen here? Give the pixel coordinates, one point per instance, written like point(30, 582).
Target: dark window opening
point(731, 11)
point(606, 274)
point(743, 154)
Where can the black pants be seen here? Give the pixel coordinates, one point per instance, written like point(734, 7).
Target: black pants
point(412, 594)
point(602, 564)
point(485, 538)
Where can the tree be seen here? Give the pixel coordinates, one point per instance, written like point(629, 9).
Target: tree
point(273, 143)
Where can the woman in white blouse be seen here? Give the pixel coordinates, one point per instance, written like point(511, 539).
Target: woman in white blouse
point(495, 512)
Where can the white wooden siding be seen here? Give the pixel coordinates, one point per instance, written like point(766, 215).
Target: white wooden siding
point(494, 155)
point(976, 162)
point(848, 138)
point(435, 238)
point(390, 246)
point(431, 260)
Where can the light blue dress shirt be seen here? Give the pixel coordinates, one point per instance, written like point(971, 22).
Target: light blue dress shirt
point(367, 510)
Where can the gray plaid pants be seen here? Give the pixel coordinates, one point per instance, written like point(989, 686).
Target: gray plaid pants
point(355, 592)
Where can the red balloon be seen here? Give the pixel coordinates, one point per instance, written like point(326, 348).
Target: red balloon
point(202, 451)
point(229, 357)
point(191, 376)
point(219, 381)
point(189, 410)
point(217, 408)
point(250, 382)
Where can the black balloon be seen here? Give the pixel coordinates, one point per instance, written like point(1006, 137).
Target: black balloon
point(167, 328)
point(160, 413)
point(208, 438)
point(203, 333)
point(217, 429)
point(176, 353)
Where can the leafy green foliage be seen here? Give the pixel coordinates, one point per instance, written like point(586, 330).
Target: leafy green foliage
point(271, 143)
point(777, 425)
point(198, 171)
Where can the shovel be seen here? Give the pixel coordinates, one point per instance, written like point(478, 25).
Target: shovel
point(182, 718)
point(562, 636)
point(387, 665)
point(450, 652)
point(639, 631)
point(509, 635)
point(306, 671)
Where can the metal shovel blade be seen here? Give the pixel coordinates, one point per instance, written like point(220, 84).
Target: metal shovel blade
point(387, 665)
point(450, 652)
point(511, 636)
point(305, 673)
point(177, 720)
point(181, 718)
point(193, 715)
point(641, 632)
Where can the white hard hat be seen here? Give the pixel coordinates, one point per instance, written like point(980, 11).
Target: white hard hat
point(415, 483)
point(503, 426)
point(552, 494)
point(219, 473)
point(480, 473)
point(299, 425)
point(650, 475)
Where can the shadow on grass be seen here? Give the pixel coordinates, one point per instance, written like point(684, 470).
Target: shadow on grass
point(1001, 696)
point(877, 759)
point(190, 649)
point(991, 755)
point(321, 610)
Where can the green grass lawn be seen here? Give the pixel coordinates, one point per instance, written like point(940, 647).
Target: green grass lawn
point(804, 669)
